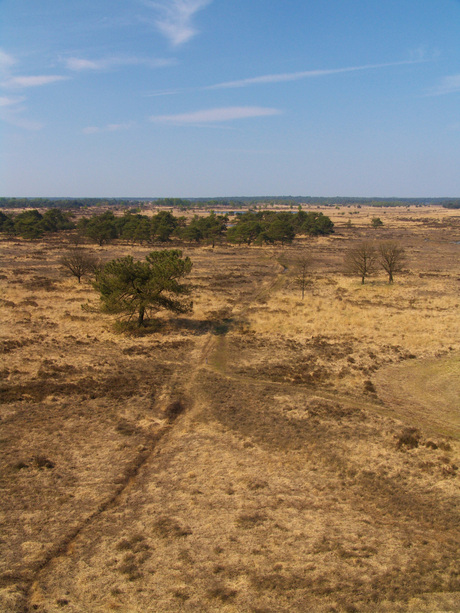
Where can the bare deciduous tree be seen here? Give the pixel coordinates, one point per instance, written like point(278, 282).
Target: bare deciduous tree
point(361, 260)
point(79, 262)
point(303, 266)
point(392, 258)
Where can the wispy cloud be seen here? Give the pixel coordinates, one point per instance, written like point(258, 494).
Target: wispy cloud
point(31, 81)
point(6, 60)
point(11, 82)
point(167, 92)
point(7, 101)
point(74, 63)
point(22, 122)
point(12, 108)
point(111, 127)
point(306, 74)
point(11, 112)
point(91, 130)
point(448, 85)
point(175, 18)
point(81, 64)
point(216, 115)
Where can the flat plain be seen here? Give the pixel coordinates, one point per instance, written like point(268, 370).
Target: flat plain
point(262, 454)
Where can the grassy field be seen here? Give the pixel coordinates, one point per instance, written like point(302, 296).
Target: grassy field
point(263, 454)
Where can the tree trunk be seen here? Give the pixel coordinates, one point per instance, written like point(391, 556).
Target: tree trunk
point(140, 320)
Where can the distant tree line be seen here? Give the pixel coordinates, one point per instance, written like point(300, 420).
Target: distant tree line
point(159, 228)
point(452, 204)
point(233, 203)
point(63, 203)
point(265, 227)
point(32, 224)
point(262, 227)
point(253, 227)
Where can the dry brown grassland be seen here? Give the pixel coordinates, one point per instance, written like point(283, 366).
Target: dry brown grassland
point(264, 454)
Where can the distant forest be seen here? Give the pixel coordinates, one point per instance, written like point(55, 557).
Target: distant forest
point(233, 203)
point(250, 227)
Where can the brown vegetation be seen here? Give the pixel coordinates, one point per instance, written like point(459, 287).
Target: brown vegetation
point(263, 453)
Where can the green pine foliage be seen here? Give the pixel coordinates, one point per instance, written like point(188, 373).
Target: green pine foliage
point(269, 227)
point(134, 288)
point(32, 224)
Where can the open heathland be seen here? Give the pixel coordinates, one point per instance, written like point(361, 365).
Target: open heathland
point(264, 453)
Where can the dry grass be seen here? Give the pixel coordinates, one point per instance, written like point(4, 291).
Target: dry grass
point(360, 328)
point(263, 454)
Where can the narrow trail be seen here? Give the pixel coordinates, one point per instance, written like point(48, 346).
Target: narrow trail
point(178, 389)
point(209, 355)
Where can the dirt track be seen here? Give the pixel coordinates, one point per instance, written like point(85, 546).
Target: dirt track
point(215, 466)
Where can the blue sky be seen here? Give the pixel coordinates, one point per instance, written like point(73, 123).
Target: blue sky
point(156, 98)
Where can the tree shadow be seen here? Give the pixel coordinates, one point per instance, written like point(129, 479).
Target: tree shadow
point(218, 326)
point(198, 327)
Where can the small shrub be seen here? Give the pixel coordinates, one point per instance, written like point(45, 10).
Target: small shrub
point(174, 409)
point(62, 602)
point(123, 544)
point(409, 438)
point(369, 387)
point(250, 520)
point(257, 484)
point(168, 527)
point(136, 543)
point(129, 567)
point(41, 283)
point(42, 461)
point(181, 594)
point(450, 470)
point(222, 593)
point(125, 427)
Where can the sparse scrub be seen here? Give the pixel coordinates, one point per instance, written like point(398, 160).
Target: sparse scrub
point(126, 428)
point(222, 593)
point(408, 439)
point(369, 387)
point(167, 527)
point(250, 520)
point(174, 409)
point(286, 486)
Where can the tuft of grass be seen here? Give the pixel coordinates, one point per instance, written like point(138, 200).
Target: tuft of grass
point(222, 593)
point(168, 527)
point(251, 520)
